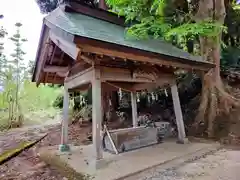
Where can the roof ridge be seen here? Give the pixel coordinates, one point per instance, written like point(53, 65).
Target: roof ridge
point(85, 9)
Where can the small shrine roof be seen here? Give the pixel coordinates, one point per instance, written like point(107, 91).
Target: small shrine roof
point(89, 27)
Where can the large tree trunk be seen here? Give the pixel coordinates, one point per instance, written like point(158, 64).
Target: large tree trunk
point(215, 99)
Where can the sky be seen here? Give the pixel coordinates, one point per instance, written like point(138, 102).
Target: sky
point(28, 13)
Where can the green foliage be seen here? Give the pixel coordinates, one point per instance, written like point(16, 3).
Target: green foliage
point(22, 100)
point(37, 98)
point(169, 20)
point(193, 30)
point(58, 102)
point(3, 59)
point(148, 28)
point(36, 103)
point(230, 58)
point(47, 6)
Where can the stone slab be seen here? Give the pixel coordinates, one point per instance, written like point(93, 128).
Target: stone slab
point(131, 138)
point(133, 162)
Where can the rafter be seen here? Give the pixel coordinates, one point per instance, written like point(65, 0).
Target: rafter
point(68, 47)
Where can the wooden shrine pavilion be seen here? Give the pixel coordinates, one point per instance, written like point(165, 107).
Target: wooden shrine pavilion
point(82, 47)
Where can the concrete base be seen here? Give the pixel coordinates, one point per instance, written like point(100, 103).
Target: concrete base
point(123, 165)
point(98, 164)
point(183, 141)
point(64, 148)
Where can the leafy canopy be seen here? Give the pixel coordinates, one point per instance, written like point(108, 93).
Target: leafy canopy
point(163, 18)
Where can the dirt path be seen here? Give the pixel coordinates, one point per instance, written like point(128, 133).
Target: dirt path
point(28, 166)
point(222, 165)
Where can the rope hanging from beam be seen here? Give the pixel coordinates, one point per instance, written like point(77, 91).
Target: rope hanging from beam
point(118, 87)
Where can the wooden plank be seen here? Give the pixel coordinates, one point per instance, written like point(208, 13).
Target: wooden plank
point(119, 75)
point(80, 78)
point(163, 79)
point(142, 58)
point(131, 138)
point(68, 47)
point(110, 138)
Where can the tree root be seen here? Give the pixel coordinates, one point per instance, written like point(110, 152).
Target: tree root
point(215, 101)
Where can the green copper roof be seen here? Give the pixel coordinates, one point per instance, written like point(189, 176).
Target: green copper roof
point(86, 26)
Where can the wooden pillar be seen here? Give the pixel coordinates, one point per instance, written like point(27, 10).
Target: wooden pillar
point(134, 108)
point(97, 115)
point(103, 5)
point(178, 114)
point(64, 137)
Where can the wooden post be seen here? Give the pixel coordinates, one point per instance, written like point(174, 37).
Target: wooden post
point(134, 108)
point(178, 114)
point(64, 137)
point(103, 5)
point(97, 114)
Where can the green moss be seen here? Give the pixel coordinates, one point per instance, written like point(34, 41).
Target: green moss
point(10, 153)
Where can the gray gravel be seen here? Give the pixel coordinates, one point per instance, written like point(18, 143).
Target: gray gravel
point(222, 165)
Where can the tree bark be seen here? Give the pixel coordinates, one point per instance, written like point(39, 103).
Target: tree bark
point(215, 99)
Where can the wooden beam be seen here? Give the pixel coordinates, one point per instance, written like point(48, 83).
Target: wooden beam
point(80, 78)
point(55, 69)
point(59, 62)
point(68, 47)
point(62, 74)
point(57, 80)
point(97, 114)
point(94, 12)
point(178, 114)
point(83, 87)
point(50, 62)
point(87, 59)
point(42, 59)
point(120, 75)
point(39, 58)
point(142, 58)
point(119, 85)
point(134, 109)
point(64, 137)
point(144, 86)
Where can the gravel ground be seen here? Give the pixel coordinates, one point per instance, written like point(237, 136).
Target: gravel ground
point(222, 165)
point(27, 165)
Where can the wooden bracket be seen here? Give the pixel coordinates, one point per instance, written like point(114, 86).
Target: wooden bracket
point(110, 138)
